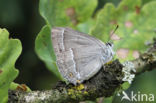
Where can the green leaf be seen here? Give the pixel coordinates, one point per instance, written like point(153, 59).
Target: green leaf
point(44, 49)
point(125, 86)
point(101, 29)
point(146, 1)
point(136, 25)
point(85, 26)
point(10, 49)
point(66, 12)
point(108, 100)
point(16, 86)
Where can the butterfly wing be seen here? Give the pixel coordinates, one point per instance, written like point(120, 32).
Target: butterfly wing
point(78, 54)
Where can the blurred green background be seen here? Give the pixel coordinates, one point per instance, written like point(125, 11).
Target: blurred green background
point(22, 19)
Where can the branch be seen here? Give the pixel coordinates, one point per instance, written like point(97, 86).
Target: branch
point(103, 84)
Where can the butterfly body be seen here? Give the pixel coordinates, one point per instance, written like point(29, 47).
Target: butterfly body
point(78, 55)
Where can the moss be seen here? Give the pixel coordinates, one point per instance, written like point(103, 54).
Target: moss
point(85, 92)
point(77, 92)
point(70, 91)
point(79, 87)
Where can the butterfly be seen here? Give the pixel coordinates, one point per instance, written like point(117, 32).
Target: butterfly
point(79, 56)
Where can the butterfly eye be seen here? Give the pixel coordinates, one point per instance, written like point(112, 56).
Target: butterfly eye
point(109, 44)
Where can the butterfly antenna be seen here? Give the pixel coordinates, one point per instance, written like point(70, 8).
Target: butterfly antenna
point(117, 26)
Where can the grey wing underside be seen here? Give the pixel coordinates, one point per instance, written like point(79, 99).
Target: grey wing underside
point(78, 55)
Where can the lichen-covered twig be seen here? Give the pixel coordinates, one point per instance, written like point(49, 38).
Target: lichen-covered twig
point(103, 84)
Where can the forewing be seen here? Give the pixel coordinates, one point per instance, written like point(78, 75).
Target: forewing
point(75, 39)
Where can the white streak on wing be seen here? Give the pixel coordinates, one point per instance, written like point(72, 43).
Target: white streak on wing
point(78, 74)
point(109, 55)
point(72, 54)
point(63, 39)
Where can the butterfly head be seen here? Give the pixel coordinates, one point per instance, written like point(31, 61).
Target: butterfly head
point(110, 48)
point(110, 44)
